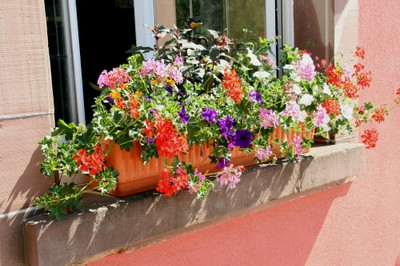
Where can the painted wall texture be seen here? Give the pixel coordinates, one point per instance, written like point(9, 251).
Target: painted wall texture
point(354, 224)
point(26, 115)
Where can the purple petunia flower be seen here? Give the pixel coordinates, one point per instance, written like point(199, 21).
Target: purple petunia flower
point(168, 88)
point(225, 127)
point(209, 115)
point(182, 114)
point(242, 138)
point(255, 96)
point(222, 163)
point(149, 140)
point(110, 99)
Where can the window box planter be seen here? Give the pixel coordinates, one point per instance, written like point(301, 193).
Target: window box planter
point(135, 177)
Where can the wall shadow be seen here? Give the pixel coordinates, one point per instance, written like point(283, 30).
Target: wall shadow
point(28, 186)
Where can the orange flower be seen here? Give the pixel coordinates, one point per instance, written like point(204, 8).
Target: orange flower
point(232, 84)
point(91, 164)
point(134, 104)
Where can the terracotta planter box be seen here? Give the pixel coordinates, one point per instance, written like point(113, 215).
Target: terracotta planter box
point(135, 177)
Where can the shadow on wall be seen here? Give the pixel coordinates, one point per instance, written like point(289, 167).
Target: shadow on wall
point(28, 186)
point(284, 234)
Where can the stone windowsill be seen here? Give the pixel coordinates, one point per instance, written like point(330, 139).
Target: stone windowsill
point(106, 224)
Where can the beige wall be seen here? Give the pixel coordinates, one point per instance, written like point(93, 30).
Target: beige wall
point(165, 13)
point(26, 115)
point(346, 13)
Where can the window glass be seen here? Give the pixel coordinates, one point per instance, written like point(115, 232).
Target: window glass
point(230, 15)
point(60, 60)
point(313, 22)
point(106, 32)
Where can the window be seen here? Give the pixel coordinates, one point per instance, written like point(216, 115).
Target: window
point(65, 73)
point(86, 37)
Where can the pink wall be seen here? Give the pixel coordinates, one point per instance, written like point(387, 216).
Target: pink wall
point(354, 224)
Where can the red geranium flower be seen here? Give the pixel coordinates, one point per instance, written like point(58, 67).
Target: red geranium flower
point(369, 138)
point(166, 185)
point(360, 53)
point(331, 106)
point(379, 115)
point(168, 142)
point(91, 164)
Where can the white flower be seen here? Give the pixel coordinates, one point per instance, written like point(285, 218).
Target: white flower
point(302, 116)
point(222, 65)
point(306, 59)
point(326, 89)
point(347, 110)
point(296, 89)
point(253, 58)
point(306, 99)
point(289, 67)
point(261, 74)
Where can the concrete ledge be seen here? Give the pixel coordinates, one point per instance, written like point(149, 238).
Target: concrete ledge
point(106, 224)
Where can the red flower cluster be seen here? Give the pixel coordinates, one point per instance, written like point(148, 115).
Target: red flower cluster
point(168, 142)
point(332, 107)
point(120, 103)
point(232, 84)
point(91, 164)
point(370, 138)
point(169, 185)
point(379, 115)
point(149, 128)
point(351, 84)
point(360, 52)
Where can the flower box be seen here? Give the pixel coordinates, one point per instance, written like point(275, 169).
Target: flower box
point(135, 176)
point(193, 91)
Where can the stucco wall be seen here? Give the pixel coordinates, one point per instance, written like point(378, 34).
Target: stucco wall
point(26, 115)
point(354, 224)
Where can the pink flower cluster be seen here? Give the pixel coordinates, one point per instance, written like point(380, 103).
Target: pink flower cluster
point(306, 68)
point(263, 154)
point(293, 109)
point(164, 72)
point(321, 118)
point(194, 186)
point(269, 118)
point(231, 175)
point(116, 78)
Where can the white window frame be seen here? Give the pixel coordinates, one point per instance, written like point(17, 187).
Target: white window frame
point(144, 15)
